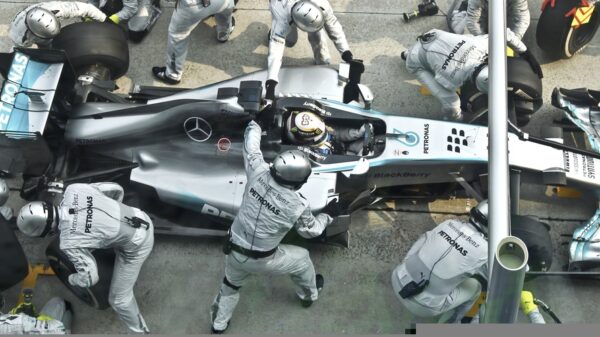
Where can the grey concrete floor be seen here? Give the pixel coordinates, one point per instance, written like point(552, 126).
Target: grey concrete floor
point(181, 277)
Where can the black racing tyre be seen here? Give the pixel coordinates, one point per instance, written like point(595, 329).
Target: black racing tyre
point(14, 266)
point(555, 35)
point(523, 84)
point(96, 296)
point(536, 236)
point(90, 43)
point(521, 79)
point(523, 119)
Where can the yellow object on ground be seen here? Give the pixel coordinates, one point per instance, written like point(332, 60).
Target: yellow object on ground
point(31, 279)
point(424, 91)
point(475, 308)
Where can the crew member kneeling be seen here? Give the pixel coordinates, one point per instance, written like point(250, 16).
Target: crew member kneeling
point(443, 271)
point(91, 216)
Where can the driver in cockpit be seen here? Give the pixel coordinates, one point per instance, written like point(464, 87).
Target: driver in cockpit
point(309, 129)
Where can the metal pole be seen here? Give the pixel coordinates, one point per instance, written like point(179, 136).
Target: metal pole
point(499, 217)
point(504, 294)
point(499, 307)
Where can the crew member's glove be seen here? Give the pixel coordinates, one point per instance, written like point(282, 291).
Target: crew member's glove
point(527, 304)
point(270, 88)
point(347, 56)
point(332, 209)
point(114, 18)
point(533, 62)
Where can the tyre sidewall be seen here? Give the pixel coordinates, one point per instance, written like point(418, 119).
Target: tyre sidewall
point(95, 296)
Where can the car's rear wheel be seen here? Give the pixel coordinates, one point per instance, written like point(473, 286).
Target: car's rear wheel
point(90, 44)
point(95, 296)
point(536, 236)
point(523, 85)
point(557, 37)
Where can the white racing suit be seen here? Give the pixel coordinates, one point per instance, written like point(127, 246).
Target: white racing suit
point(282, 25)
point(448, 256)
point(445, 61)
point(22, 37)
point(53, 319)
point(475, 18)
point(186, 16)
point(267, 213)
point(93, 217)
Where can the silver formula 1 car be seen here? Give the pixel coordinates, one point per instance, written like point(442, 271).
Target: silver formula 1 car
point(178, 152)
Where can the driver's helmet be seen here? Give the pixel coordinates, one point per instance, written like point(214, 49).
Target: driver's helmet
point(306, 128)
point(42, 23)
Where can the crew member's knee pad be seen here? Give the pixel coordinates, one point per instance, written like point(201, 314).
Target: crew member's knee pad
point(229, 288)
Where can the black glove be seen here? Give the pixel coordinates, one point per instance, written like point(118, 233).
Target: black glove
point(347, 56)
point(533, 62)
point(270, 87)
point(332, 209)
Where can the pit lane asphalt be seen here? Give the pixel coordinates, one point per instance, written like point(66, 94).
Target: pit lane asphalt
point(178, 282)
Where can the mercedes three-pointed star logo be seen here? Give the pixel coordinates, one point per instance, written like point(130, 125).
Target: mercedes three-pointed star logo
point(197, 129)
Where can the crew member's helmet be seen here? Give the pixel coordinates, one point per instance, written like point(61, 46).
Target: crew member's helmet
point(479, 216)
point(306, 128)
point(3, 192)
point(42, 23)
point(481, 80)
point(291, 168)
point(308, 16)
point(37, 219)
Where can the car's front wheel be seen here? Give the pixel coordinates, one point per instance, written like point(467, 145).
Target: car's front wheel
point(96, 296)
point(95, 44)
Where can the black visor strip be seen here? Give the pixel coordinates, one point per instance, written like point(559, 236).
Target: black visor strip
point(49, 220)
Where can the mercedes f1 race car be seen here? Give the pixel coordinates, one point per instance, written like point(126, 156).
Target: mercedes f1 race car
point(178, 152)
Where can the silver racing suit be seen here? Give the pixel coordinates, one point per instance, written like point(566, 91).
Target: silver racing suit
point(187, 15)
point(473, 14)
point(91, 216)
point(53, 319)
point(22, 37)
point(281, 25)
point(447, 256)
point(267, 213)
point(445, 61)
point(517, 13)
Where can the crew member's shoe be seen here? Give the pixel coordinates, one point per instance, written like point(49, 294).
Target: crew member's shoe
point(160, 73)
point(320, 281)
point(218, 332)
point(224, 36)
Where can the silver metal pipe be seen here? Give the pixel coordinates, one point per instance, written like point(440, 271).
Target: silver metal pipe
point(499, 212)
point(504, 292)
point(505, 282)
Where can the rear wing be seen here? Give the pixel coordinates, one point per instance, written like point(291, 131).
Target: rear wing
point(31, 78)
